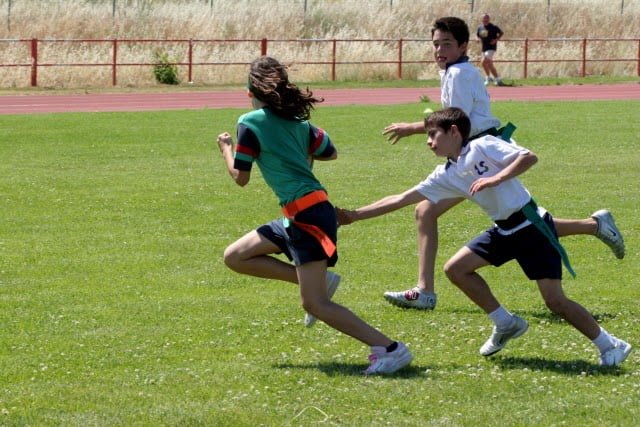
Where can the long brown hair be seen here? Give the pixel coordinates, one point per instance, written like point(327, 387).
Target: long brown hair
point(269, 83)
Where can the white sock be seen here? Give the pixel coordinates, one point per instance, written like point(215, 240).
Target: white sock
point(501, 317)
point(604, 341)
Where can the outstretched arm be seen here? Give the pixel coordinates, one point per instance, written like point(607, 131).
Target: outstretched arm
point(395, 131)
point(225, 143)
point(521, 164)
point(381, 207)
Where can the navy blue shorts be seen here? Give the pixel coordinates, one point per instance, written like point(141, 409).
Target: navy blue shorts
point(298, 245)
point(533, 251)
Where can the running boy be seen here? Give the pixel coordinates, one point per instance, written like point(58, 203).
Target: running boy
point(484, 170)
point(462, 86)
point(279, 138)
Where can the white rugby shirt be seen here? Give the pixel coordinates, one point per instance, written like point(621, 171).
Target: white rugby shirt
point(480, 158)
point(462, 86)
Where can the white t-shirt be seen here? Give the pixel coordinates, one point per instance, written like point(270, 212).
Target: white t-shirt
point(480, 158)
point(462, 86)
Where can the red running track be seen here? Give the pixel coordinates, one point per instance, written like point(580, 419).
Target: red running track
point(28, 104)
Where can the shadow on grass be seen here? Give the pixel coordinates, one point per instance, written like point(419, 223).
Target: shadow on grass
point(543, 314)
point(567, 367)
point(348, 369)
point(554, 318)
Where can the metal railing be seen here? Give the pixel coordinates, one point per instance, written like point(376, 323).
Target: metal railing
point(523, 52)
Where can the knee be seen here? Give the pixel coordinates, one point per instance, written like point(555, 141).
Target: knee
point(313, 306)
point(453, 271)
point(308, 305)
point(231, 258)
point(557, 305)
point(425, 211)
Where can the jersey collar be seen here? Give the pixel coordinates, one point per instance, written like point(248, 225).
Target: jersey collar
point(461, 60)
point(450, 161)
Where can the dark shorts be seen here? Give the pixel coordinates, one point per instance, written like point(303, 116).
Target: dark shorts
point(533, 251)
point(298, 245)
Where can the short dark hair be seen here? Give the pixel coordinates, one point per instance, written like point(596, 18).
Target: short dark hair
point(456, 26)
point(448, 117)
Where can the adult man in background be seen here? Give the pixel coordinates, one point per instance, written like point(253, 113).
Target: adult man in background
point(489, 34)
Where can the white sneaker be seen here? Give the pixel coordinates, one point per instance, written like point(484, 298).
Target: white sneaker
point(608, 232)
point(499, 82)
point(488, 81)
point(333, 280)
point(616, 355)
point(413, 298)
point(500, 337)
point(387, 363)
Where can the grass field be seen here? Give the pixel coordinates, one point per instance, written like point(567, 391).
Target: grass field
point(116, 308)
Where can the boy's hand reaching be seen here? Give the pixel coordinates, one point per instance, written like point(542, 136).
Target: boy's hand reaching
point(395, 131)
point(482, 183)
point(345, 216)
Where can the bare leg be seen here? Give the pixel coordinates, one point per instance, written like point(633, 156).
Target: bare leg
point(427, 214)
point(250, 255)
point(492, 68)
point(461, 270)
point(314, 297)
point(569, 310)
point(485, 66)
point(569, 227)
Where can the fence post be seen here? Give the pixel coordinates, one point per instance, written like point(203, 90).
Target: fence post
point(114, 62)
point(190, 61)
point(584, 58)
point(526, 57)
point(263, 47)
point(638, 57)
point(34, 62)
point(400, 59)
point(333, 60)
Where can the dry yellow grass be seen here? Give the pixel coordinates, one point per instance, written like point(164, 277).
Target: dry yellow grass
point(287, 20)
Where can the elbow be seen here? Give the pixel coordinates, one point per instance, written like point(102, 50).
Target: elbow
point(241, 182)
point(333, 155)
point(327, 158)
point(240, 178)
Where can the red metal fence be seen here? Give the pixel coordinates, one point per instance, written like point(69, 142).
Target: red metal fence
point(524, 52)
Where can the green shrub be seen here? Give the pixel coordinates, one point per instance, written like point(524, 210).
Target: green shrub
point(164, 70)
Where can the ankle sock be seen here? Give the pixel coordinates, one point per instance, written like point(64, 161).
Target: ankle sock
point(604, 341)
point(392, 347)
point(501, 317)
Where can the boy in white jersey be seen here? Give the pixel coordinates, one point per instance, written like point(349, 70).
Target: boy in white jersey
point(484, 170)
point(462, 86)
